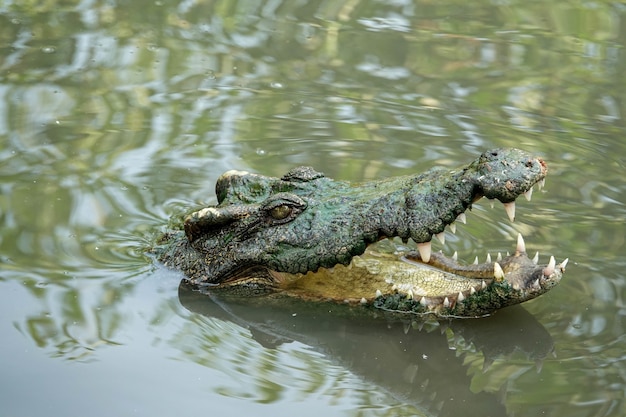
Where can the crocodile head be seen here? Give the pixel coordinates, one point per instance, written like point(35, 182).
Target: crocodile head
point(273, 235)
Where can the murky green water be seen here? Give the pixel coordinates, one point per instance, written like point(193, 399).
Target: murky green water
point(116, 115)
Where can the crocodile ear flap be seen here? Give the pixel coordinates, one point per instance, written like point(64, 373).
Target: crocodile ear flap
point(203, 221)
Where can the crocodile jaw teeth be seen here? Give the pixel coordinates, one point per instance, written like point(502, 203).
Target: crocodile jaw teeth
point(541, 183)
point(425, 250)
point(528, 194)
point(521, 246)
point(549, 270)
point(498, 273)
point(510, 210)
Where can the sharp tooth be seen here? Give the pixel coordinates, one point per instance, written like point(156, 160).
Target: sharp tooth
point(363, 300)
point(510, 210)
point(461, 217)
point(541, 183)
point(491, 203)
point(499, 258)
point(453, 227)
point(521, 246)
point(498, 273)
point(378, 293)
point(423, 301)
point(424, 249)
point(488, 258)
point(446, 302)
point(442, 237)
point(536, 284)
point(549, 270)
point(455, 256)
point(409, 295)
point(483, 285)
point(563, 264)
point(528, 194)
point(536, 258)
point(460, 297)
point(472, 291)
point(476, 261)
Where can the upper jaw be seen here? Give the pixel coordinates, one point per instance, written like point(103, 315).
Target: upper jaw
point(504, 190)
point(503, 174)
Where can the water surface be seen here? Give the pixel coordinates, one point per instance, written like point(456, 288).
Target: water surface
point(115, 116)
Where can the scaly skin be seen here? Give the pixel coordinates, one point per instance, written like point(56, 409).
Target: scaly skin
point(266, 233)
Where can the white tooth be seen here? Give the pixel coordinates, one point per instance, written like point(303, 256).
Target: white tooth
point(498, 273)
point(476, 261)
point(442, 237)
point(488, 258)
point(541, 183)
point(536, 284)
point(460, 297)
point(455, 256)
point(549, 270)
point(409, 295)
point(453, 227)
point(483, 285)
point(491, 203)
point(378, 293)
point(510, 210)
point(521, 246)
point(424, 249)
point(363, 300)
point(499, 258)
point(528, 194)
point(446, 302)
point(472, 290)
point(563, 264)
point(462, 218)
point(536, 258)
point(423, 301)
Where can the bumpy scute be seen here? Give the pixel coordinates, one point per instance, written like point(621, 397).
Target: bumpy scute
point(263, 228)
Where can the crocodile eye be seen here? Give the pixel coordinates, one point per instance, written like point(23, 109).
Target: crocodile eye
point(281, 212)
point(283, 207)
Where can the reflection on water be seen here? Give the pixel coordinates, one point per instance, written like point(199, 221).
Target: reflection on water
point(116, 116)
point(422, 362)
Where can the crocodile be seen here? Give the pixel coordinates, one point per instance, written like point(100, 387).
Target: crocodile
point(308, 236)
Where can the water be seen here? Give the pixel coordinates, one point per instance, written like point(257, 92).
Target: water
point(116, 116)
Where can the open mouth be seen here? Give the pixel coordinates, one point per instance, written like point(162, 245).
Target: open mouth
point(425, 248)
point(424, 281)
point(302, 234)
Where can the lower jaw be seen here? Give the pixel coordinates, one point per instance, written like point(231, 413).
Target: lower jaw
point(374, 274)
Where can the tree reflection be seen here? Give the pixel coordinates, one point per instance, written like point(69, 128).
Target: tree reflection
point(115, 116)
